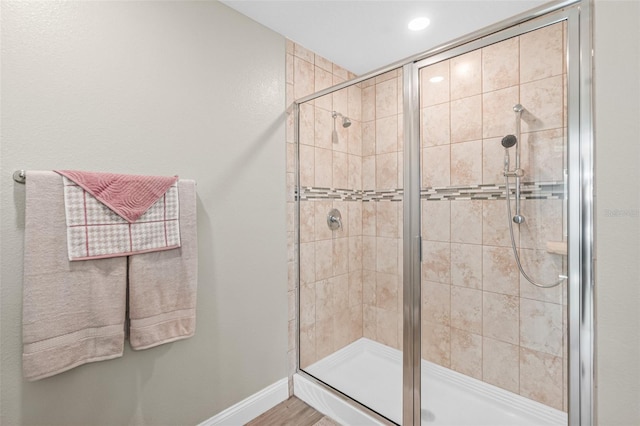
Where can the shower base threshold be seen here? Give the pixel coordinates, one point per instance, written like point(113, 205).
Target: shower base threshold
point(371, 373)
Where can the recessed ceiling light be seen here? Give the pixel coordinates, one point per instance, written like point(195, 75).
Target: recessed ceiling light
point(436, 79)
point(418, 24)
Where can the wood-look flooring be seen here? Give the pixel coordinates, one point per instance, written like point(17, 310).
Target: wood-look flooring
point(292, 412)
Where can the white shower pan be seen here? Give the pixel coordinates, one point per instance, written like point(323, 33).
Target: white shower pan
point(371, 373)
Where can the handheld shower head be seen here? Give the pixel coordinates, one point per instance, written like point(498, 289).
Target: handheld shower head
point(509, 141)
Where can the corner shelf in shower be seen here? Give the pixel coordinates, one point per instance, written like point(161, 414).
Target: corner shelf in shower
point(557, 247)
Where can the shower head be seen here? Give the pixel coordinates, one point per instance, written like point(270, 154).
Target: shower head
point(346, 122)
point(509, 141)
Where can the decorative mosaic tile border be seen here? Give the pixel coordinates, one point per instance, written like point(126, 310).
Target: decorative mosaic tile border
point(528, 191)
point(314, 193)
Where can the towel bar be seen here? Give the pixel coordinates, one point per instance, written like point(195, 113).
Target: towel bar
point(20, 176)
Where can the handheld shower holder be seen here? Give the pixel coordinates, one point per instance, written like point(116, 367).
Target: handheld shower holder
point(518, 173)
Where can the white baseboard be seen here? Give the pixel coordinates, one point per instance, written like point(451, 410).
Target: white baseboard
point(329, 404)
point(251, 407)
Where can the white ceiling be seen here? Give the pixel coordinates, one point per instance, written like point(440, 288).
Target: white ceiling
point(364, 35)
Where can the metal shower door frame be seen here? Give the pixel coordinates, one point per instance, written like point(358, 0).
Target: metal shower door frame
point(580, 148)
point(580, 142)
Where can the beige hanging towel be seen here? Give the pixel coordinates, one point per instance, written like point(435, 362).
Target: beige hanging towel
point(162, 285)
point(73, 312)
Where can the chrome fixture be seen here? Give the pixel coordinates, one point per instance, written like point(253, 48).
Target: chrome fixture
point(20, 176)
point(508, 142)
point(346, 121)
point(334, 219)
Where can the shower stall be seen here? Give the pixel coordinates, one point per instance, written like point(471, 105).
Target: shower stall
point(444, 231)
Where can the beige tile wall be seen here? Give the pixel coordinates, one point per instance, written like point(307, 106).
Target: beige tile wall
point(480, 316)
point(331, 273)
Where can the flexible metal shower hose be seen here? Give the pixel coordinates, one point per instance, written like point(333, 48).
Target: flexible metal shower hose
point(513, 245)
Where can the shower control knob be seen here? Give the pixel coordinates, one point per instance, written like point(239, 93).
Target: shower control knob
point(334, 219)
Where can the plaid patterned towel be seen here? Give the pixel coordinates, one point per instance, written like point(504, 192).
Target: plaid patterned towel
point(94, 231)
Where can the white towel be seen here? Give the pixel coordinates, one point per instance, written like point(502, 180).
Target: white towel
point(162, 285)
point(73, 312)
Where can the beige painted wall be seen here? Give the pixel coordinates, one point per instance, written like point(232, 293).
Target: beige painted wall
point(188, 88)
point(617, 130)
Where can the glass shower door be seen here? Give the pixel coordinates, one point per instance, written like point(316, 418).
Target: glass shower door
point(433, 269)
point(494, 348)
point(350, 237)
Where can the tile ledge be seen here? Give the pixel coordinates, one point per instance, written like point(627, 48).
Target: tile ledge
point(557, 247)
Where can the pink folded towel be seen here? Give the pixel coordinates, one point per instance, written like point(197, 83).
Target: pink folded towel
point(110, 215)
point(74, 312)
point(129, 196)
